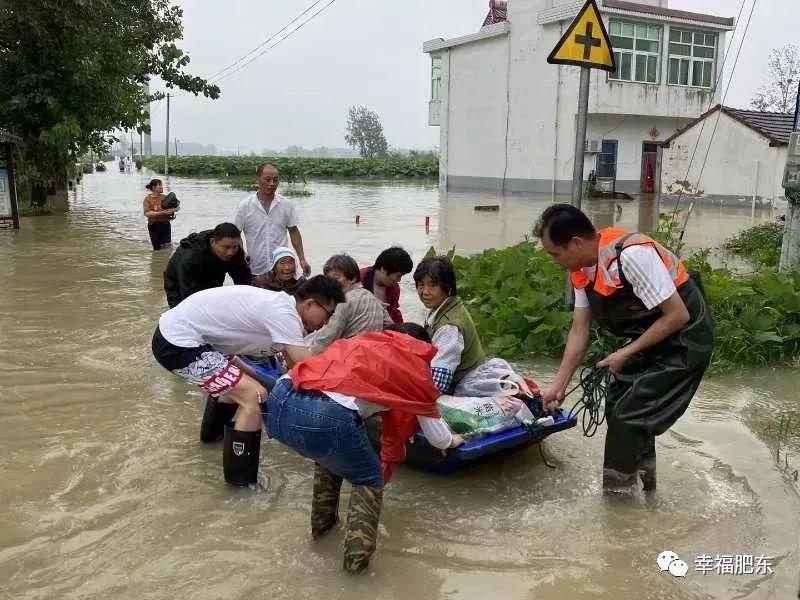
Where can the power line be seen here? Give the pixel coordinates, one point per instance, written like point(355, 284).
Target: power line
point(235, 66)
point(722, 100)
point(265, 42)
point(270, 47)
point(728, 87)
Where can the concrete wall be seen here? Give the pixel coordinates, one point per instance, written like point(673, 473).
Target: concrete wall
point(740, 162)
point(630, 131)
point(474, 122)
point(507, 77)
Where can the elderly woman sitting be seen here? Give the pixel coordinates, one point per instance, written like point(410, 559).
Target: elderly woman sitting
point(360, 313)
point(284, 273)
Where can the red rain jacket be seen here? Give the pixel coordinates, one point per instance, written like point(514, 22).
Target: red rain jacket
point(385, 367)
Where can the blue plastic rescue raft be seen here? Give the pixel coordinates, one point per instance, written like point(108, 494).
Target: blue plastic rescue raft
point(267, 370)
point(421, 455)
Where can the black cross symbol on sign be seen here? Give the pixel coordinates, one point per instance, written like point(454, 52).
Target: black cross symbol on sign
point(587, 41)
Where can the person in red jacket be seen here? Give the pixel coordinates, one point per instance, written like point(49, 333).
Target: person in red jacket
point(383, 278)
point(319, 408)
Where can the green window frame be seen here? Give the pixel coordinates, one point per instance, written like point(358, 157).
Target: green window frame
point(691, 57)
point(637, 51)
point(436, 78)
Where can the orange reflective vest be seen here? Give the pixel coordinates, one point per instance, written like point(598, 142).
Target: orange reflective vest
point(607, 252)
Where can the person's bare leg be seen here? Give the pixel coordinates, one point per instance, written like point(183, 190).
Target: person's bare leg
point(248, 394)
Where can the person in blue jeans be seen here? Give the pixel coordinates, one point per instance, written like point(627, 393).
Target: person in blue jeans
point(328, 427)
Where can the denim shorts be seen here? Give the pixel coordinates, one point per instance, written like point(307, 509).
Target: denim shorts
point(326, 432)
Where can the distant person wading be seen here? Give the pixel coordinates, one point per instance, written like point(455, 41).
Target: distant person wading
point(158, 218)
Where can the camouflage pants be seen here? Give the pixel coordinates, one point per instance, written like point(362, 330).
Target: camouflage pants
point(362, 527)
point(325, 501)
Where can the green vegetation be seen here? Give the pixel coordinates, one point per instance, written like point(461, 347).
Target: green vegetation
point(516, 297)
point(365, 132)
point(73, 71)
point(237, 170)
point(760, 245)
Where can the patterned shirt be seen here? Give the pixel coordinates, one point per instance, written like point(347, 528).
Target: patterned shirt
point(449, 345)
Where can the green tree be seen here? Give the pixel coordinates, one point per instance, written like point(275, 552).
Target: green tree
point(778, 93)
point(365, 132)
point(74, 71)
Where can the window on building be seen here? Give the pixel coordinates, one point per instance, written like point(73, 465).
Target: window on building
point(691, 57)
point(607, 159)
point(637, 51)
point(436, 78)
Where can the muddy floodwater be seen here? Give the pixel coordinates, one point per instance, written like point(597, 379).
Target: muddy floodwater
point(106, 491)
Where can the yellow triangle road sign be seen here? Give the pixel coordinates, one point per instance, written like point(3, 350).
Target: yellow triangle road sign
point(585, 43)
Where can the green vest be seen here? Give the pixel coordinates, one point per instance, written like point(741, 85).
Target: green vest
point(453, 312)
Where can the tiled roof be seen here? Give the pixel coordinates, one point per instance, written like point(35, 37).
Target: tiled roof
point(498, 11)
point(668, 12)
point(774, 126)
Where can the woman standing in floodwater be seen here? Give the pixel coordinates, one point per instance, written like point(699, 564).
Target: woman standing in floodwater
point(158, 218)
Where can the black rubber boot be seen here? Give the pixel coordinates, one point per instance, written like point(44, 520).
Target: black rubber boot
point(647, 469)
point(240, 452)
point(616, 483)
point(216, 416)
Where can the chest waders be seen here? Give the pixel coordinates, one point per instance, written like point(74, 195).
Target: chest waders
point(654, 387)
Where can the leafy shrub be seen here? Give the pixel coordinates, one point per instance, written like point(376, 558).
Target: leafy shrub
point(516, 297)
point(761, 244)
point(299, 169)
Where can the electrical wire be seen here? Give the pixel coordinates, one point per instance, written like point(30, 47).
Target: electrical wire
point(238, 65)
point(265, 42)
point(270, 47)
point(593, 383)
point(711, 102)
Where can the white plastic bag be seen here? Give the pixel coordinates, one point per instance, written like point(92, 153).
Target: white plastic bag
point(475, 417)
point(493, 378)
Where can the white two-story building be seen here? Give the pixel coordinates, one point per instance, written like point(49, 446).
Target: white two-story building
point(507, 117)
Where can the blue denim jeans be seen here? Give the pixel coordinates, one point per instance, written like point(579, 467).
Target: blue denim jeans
point(326, 432)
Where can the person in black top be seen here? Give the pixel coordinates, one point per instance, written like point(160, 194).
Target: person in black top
point(202, 260)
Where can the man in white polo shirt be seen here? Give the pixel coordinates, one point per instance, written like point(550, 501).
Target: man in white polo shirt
point(266, 219)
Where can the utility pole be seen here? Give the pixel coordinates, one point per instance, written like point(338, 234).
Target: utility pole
point(584, 44)
point(166, 144)
point(148, 146)
point(176, 146)
point(790, 247)
point(580, 138)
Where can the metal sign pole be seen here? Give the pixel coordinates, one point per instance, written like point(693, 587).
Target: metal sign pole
point(580, 138)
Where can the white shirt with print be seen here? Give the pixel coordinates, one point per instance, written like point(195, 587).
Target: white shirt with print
point(644, 270)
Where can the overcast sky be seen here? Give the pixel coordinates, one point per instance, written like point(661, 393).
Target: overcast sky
point(367, 52)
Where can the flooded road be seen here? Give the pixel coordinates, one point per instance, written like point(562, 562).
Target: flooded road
point(107, 492)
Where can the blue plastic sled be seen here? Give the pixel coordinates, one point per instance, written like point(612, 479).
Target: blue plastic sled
point(421, 454)
point(267, 370)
